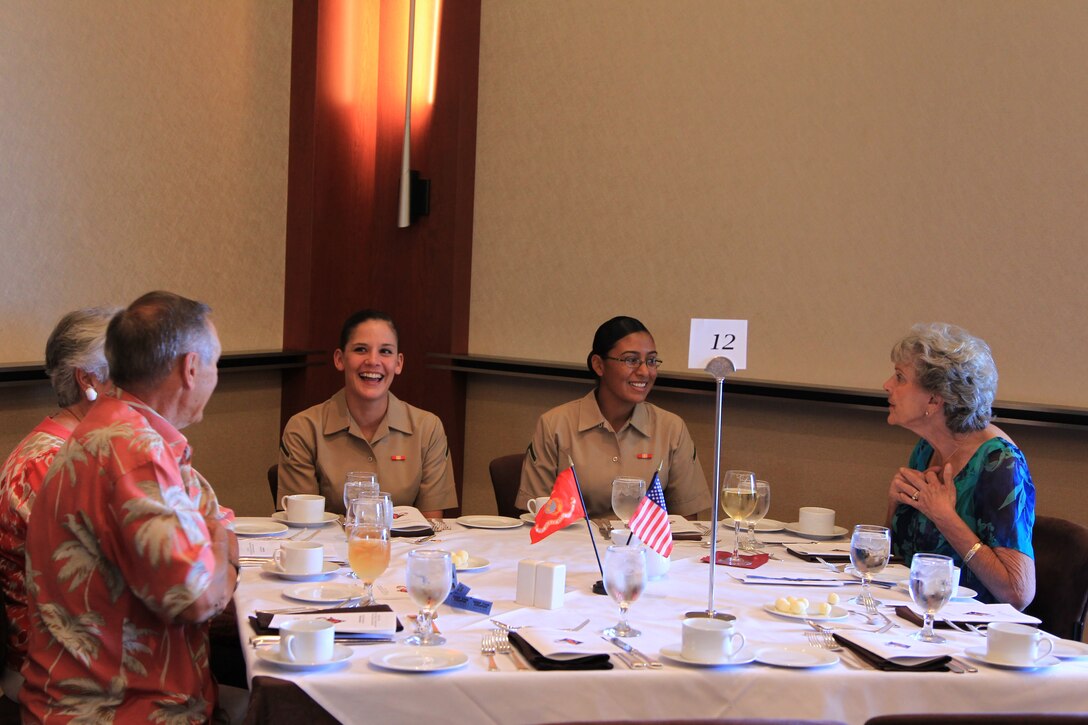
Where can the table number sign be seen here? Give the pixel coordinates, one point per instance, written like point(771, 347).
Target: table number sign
point(718, 338)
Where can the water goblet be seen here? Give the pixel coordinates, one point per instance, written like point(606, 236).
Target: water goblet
point(870, 547)
point(739, 501)
point(376, 508)
point(368, 555)
point(930, 588)
point(358, 483)
point(430, 578)
point(624, 580)
point(763, 505)
point(627, 493)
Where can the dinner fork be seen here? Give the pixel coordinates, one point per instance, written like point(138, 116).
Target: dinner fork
point(826, 640)
point(487, 647)
point(502, 644)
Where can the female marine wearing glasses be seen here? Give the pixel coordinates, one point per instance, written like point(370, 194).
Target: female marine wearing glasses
point(614, 432)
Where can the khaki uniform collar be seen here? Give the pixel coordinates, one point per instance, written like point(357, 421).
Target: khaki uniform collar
point(339, 420)
point(590, 416)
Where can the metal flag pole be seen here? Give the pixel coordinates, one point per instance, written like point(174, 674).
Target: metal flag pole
point(719, 367)
point(598, 586)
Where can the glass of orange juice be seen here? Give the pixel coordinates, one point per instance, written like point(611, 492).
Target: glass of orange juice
point(368, 555)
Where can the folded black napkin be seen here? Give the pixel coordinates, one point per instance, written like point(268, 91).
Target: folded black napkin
point(411, 532)
point(687, 536)
point(261, 621)
point(939, 664)
point(540, 662)
point(905, 612)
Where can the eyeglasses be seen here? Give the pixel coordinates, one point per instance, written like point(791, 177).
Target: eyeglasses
point(634, 362)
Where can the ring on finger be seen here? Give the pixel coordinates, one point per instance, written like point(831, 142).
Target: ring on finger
point(914, 496)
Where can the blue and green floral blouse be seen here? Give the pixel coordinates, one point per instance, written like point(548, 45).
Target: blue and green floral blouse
point(994, 496)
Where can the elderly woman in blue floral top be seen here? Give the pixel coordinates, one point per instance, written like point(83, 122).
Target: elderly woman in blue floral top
point(966, 491)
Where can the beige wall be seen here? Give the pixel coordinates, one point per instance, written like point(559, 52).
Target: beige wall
point(144, 145)
point(831, 171)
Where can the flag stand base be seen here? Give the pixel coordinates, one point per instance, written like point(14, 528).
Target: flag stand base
point(704, 614)
point(598, 588)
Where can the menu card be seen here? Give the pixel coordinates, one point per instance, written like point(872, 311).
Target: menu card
point(409, 518)
point(558, 644)
point(356, 623)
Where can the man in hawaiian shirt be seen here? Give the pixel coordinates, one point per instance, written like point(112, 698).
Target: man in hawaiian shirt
point(128, 550)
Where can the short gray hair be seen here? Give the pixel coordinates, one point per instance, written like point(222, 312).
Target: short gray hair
point(144, 341)
point(956, 365)
point(76, 343)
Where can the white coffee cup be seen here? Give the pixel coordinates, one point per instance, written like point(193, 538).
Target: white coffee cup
point(709, 640)
point(657, 566)
point(304, 508)
point(307, 640)
point(1016, 644)
point(816, 520)
point(303, 558)
point(535, 504)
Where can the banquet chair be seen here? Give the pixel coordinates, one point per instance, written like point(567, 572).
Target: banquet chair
point(1061, 576)
point(980, 718)
point(274, 484)
point(506, 479)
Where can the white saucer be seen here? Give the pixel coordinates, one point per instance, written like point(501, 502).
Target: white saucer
point(257, 526)
point(323, 593)
point(763, 526)
point(743, 657)
point(327, 518)
point(1068, 649)
point(489, 522)
point(474, 563)
point(980, 654)
point(528, 518)
point(340, 654)
point(837, 612)
point(962, 593)
point(796, 657)
point(406, 658)
point(795, 528)
point(327, 569)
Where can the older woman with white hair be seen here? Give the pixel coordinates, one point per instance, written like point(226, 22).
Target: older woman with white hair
point(966, 492)
point(77, 369)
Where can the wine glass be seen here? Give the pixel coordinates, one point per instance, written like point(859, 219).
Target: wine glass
point(368, 555)
point(870, 547)
point(763, 505)
point(376, 508)
point(430, 578)
point(626, 495)
point(624, 580)
point(358, 483)
point(739, 501)
point(930, 588)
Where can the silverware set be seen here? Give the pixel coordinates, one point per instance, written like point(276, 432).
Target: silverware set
point(259, 640)
point(514, 628)
point(497, 641)
point(309, 535)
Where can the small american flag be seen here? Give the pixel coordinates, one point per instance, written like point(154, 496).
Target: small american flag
point(651, 520)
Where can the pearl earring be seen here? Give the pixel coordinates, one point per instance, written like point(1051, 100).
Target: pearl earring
point(91, 393)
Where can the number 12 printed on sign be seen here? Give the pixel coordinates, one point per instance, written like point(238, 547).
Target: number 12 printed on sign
point(718, 338)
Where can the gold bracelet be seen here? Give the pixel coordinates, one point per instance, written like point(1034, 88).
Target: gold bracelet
point(971, 553)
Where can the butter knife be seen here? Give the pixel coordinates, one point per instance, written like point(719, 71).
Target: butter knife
point(650, 662)
point(263, 639)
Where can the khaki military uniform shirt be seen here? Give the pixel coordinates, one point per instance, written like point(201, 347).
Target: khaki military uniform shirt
point(408, 452)
point(577, 430)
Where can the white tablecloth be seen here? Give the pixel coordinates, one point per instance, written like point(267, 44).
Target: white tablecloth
point(358, 691)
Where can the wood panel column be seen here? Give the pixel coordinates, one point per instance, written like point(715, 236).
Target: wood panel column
point(344, 249)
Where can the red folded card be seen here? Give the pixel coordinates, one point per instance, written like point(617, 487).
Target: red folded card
point(750, 561)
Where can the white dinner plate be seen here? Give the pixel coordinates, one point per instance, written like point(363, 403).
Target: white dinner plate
point(340, 655)
point(405, 658)
point(743, 657)
point(528, 518)
point(962, 593)
point(979, 654)
point(762, 526)
point(327, 569)
point(795, 528)
point(489, 522)
point(323, 593)
point(257, 526)
point(474, 563)
point(796, 657)
point(327, 518)
point(837, 612)
point(1068, 649)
